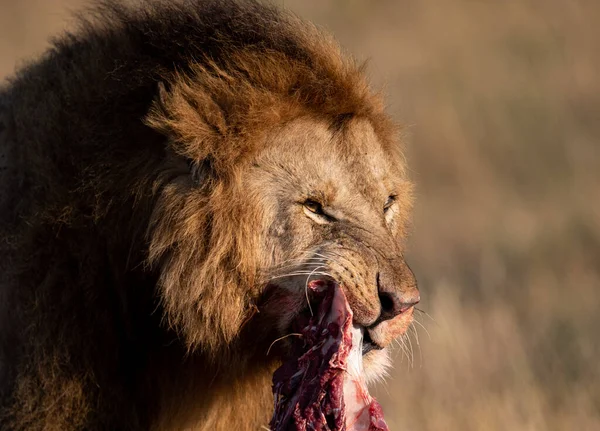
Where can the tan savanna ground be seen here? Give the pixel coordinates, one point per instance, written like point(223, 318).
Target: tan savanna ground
point(501, 100)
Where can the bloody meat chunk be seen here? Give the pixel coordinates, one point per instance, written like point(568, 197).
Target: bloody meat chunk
point(322, 387)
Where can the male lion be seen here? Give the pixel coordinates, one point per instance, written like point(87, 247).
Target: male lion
point(171, 179)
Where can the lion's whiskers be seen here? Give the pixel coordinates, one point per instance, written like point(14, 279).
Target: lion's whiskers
point(297, 266)
point(426, 314)
point(302, 266)
point(298, 273)
point(282, 338)
point(422, 326)
point(306, 289)
point(406, 350)
point(403, 347)
point(412, 350)
point(296, 262)
point(414, 329)
point(330, 256)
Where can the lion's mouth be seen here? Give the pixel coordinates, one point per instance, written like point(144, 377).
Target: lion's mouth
point(368, 344)
point(321, 385)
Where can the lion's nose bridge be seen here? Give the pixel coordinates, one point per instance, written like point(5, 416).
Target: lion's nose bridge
point(397, 289)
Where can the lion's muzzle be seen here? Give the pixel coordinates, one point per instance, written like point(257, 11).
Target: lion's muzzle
point(389, 317)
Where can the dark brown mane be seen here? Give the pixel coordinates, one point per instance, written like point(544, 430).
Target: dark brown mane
point(83, 136)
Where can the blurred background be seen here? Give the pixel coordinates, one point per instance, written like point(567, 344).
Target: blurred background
point(501, 106)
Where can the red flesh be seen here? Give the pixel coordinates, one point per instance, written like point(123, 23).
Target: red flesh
point(321, 387)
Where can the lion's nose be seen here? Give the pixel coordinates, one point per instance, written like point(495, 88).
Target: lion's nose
point(393, 303)
point(397, 301)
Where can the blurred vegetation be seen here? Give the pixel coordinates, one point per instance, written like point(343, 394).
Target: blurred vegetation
point(501, 102)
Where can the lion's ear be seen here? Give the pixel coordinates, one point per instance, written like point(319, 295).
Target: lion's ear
point(203, 172)
point(163, 94)
point(159, 110)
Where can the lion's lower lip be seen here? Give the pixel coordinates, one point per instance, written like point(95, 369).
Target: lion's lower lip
point(369, 344)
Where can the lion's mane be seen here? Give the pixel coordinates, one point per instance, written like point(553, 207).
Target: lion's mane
point(117, 148)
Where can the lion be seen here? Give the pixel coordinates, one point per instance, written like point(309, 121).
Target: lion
point(172, 175)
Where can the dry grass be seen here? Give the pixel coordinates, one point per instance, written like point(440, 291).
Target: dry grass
point(502, 99)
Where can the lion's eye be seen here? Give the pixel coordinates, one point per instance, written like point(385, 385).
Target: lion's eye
point(388, 204)
point(314, 210)
point(314, 207)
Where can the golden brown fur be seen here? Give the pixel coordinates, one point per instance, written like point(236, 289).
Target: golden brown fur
point(156, 235)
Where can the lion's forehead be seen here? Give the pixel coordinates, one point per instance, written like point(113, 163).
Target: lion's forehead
point(346, 163)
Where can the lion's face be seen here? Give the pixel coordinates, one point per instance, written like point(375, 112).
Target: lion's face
point(331, 203)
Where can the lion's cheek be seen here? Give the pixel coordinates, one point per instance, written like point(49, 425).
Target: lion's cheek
point(280, 308)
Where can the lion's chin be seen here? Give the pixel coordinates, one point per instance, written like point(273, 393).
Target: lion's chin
point(376, 365)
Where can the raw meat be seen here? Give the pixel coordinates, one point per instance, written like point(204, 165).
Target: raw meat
point(322, 387)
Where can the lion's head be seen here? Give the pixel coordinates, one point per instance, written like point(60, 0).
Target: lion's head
point(280, 173)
